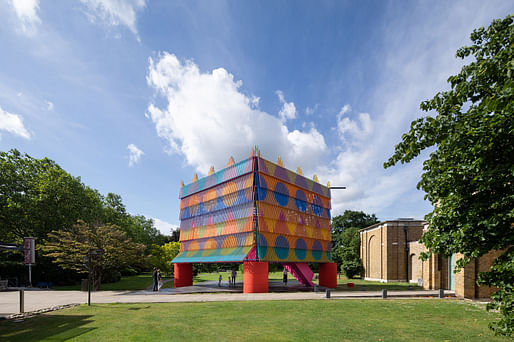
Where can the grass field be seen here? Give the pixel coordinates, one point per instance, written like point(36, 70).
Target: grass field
point(308, 320)
point(359, 285)
point(143, 281)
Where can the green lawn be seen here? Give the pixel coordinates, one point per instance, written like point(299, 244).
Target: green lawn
point(130, 283)
point(307, 320)
point(366, 285)
point(359, 285)
point(143, 281)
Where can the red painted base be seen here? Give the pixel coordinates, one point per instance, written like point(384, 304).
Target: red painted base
point(255, 277)
point(183, 274)
point(328, 275)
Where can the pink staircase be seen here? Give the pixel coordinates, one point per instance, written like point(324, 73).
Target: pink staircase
point(301, 271)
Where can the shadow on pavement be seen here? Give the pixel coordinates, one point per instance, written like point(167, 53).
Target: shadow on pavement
point(52, 327)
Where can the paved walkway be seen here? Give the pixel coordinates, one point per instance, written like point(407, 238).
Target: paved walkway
point(202, 292)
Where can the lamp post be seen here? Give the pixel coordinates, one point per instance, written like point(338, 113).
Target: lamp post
point(90, 253)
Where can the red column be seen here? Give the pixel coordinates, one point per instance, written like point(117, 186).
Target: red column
point(255, 277)
point(328, 275)
point(183, 274)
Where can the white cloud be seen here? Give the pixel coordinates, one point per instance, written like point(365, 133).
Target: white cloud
point(135, 154)
point(115, 12)
point(49, 105)
point(288, 110)
point(13, 123)
point(164, 227)
point(416, 60)
point(254, 101)
point(311, 110)
point(357, 131)
point(209, 119)
point(26, 11)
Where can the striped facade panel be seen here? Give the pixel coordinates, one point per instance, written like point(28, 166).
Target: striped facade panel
point(293, 215)
point(217, 216)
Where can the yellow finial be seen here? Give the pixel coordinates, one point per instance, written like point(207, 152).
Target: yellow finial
point(299, 171)
point(211, 170)
point(257, 151)
point(280, 162)
point(230, 161)
point(181, 184)
point(195, 178)
point(328, 184)
point(315, 178)
point(253, 152)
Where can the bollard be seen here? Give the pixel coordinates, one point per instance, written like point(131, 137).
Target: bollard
point(384, 294)
point(441, 293)
point(327, 293)
point(22, 300)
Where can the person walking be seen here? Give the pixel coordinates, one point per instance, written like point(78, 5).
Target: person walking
point(155, 279)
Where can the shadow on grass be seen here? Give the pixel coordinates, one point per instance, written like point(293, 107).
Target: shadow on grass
point(53, 327)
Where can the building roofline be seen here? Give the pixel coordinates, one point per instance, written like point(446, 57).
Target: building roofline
point(421, 222)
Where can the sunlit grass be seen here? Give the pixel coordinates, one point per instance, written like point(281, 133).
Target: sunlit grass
point(342, 281)
point(307, 320)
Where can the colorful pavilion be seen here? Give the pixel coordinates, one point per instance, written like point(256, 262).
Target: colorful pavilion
point(256, 212)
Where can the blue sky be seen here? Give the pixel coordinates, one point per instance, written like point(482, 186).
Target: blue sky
point(134, 96)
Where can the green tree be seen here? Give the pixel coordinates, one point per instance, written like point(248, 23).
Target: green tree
point(469, 176)
point(137, 227)
point(37, 196)
point(352, 218)
point(348, 252)
point(346, 243)
point(112, 250)
point(161, 256)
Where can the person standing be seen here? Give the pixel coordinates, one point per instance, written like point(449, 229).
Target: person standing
point(159, 280)
point(234, 274)
point(155, 279)
point(284, 278)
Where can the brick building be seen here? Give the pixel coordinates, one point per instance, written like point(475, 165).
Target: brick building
point(390, 252)
point(387, 251)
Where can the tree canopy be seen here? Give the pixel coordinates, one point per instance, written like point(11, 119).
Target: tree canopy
point(352, 218)
point(346, 240)
point(469, 177)
point(348, 252)
point(162, 255)
point(37, 197)
point(111, 249)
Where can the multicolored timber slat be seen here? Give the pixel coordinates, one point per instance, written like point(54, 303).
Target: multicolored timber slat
point(254, 210)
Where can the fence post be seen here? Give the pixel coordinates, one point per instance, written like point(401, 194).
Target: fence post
point(22, 300)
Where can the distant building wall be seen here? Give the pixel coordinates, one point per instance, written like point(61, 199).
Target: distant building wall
point(385, 250)
point(465, 279)
point(390, 252)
